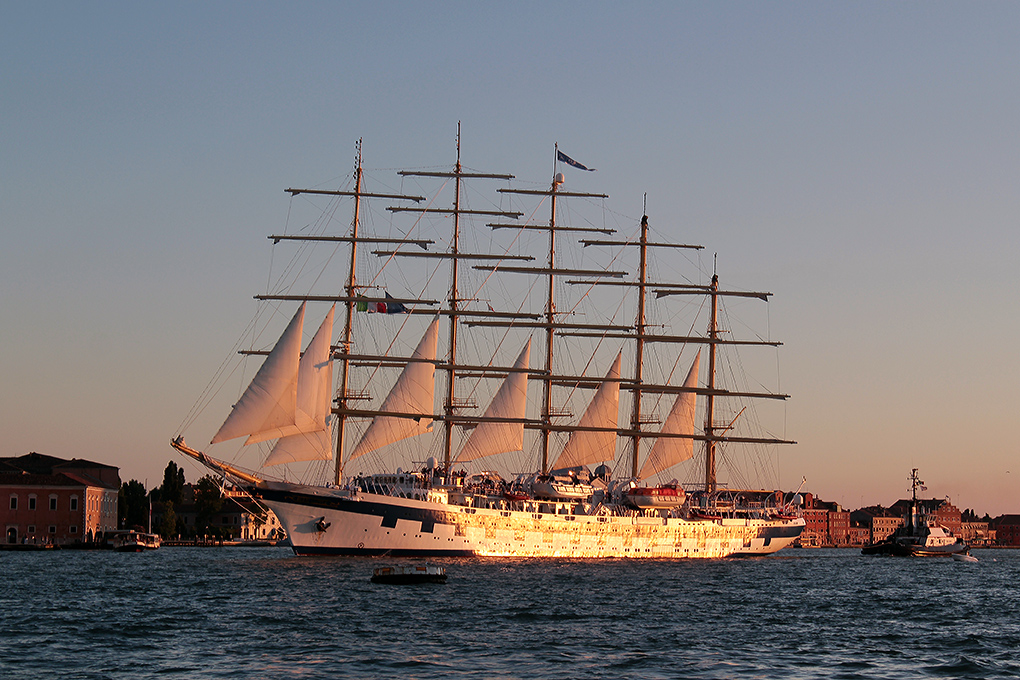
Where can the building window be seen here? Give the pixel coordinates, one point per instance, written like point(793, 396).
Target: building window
point(31, 528)
point(74, 503)
point(74, 529)
point(14, 502)
point(53, 528)
point(31, 502)
point(53, 502)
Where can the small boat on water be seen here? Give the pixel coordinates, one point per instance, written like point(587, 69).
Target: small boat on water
point(920, 536)
point(409, 574)
point(132, 541)
point(964, 557)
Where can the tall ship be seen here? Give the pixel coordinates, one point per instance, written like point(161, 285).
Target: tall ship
point(470, 402)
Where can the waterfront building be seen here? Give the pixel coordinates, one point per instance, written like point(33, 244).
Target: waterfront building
point(50, 500)
point(859, 536)
point(827, 524)
point(1007, 530)
point(839, 525)
point(977, 533)
point(816, 527)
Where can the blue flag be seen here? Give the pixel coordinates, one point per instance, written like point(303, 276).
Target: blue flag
point(564, 158)
point(393, 307)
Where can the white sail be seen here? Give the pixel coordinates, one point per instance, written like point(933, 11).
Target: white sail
point(310, 437)
point(270, 402)
point(590, 447)
point(492, 436)
point(670, 451)
point(315, 445)
point(412, 393)
point(314, 387)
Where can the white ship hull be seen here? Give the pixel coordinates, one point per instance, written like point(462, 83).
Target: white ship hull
point(324, 521)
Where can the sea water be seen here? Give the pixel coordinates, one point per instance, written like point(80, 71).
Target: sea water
point(264, 613)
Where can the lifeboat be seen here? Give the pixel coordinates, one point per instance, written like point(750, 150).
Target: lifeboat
point(652, 497)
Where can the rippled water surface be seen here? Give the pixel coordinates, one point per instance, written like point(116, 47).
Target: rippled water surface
point(261, 612)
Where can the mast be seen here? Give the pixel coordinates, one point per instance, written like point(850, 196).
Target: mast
point(713, 334)
point(550, 324)
point(550, 319)
point(350, 297)
point(639, 351)
point(345, 346)
point(640, 334)
point(451, 375)
point(451, 404)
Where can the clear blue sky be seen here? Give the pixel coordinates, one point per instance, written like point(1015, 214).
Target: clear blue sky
point(859, 160)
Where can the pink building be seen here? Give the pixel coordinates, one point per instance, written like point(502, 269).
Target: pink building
point(44, 499)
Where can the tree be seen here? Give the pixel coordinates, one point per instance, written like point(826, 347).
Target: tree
point(172, 490)
point(133, 505)
point(168, 527)
point(970, 515)
point(208, 501)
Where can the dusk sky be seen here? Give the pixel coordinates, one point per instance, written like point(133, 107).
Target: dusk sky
point(861, 161)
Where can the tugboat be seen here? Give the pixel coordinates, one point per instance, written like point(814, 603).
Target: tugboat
point(920, 536)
